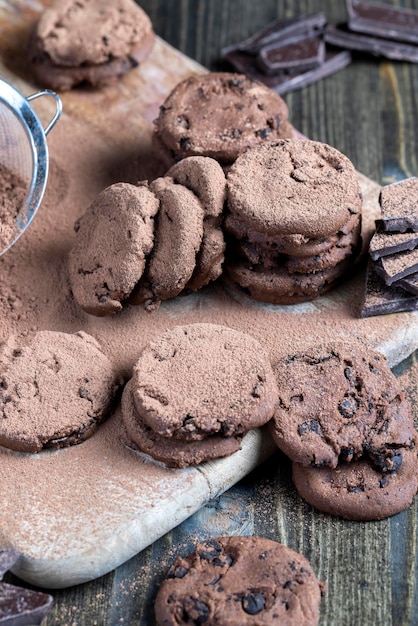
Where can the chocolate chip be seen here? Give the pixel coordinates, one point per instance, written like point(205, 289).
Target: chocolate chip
point(196, 611)
point(310, 426)
point(349, 405)
point(177, 571)
point(185, 143)
point(263, 133)
point(213, 550)
point(253, 603)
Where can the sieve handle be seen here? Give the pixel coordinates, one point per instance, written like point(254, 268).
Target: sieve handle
point(58, 103)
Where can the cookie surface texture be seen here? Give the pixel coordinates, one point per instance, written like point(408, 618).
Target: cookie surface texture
point(340, 402)
point(120, 218)
point(201, 379)
point(90, 41)
point(240, 580)
point(293, 187)
point(219, 115)
point(55, 390)
point(173, 452)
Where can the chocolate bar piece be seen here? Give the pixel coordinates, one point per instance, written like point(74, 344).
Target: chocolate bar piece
point(280, 30)
point(382, 20)
point(399, 207)
point(8, 557)
point(396, 266)
point(285, 82)
point(410, 283)
point(395, 50)
point(300, 53)
point(19, 606)
point(379, 299)
point(22, 607)
point(384, 244)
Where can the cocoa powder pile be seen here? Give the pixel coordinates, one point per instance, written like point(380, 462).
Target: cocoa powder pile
point(12, 195)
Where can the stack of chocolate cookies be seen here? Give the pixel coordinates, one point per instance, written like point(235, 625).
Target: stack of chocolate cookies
point(195, 391)
point(344, 421)
point(293, 220)
point(392, 272)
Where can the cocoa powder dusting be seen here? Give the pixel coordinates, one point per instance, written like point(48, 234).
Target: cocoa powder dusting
point(84, 495)
point(12, 195)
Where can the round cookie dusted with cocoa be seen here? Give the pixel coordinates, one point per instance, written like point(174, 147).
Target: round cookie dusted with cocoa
point(240, 580)
point(357, 490)
point(219, 115)
point(114, 238)
point(173, 452)
point(339, 402)
point(201, 379)
point(292, 187)
point(92, 41)
point(178, 237)
point(55, 389)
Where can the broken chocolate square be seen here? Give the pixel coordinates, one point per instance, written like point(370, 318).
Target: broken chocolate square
point(379, 299)
point(382, 20)
point(399, 207)
point(349, 40)
point(299, 54)
point(384, 244)
point(396, 266)
point(19, 606)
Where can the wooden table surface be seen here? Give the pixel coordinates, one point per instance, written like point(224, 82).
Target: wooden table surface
point(369, 112)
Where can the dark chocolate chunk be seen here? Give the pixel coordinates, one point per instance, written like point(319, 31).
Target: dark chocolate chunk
point(382, 20)
point(253, 603)
point(384, 244)
point(379, 299)
point(349, 40)
point(8, 557)
point(300, 54)
point(22, 607)
point(284, 82)
point(280, 30)
point(396, 266)
point(399, 207)
point(409, 283)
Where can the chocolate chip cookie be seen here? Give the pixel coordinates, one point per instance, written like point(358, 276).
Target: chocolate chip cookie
point(219, 115)
point(338, 403)
point(240, 580)
point(198, 380)
point(55, 389)
point(114, 237)
point(89, 41)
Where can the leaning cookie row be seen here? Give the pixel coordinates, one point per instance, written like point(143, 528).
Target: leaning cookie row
point(289, 212)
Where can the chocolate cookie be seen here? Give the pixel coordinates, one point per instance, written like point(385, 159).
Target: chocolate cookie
point(340, 402)
point(173, 452)
point(198, 380)
point(240, 580)
point(120, 219)
point(276, 285)
point(293, 187)
point(219, 115)
point(357, 490)
point(91, 42)
point(55, 390)
point(178, 237)
point(205, 177)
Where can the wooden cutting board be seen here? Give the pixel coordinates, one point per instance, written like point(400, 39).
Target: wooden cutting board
point(75, 514)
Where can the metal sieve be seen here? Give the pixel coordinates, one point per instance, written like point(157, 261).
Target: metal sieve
point(24, 150)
